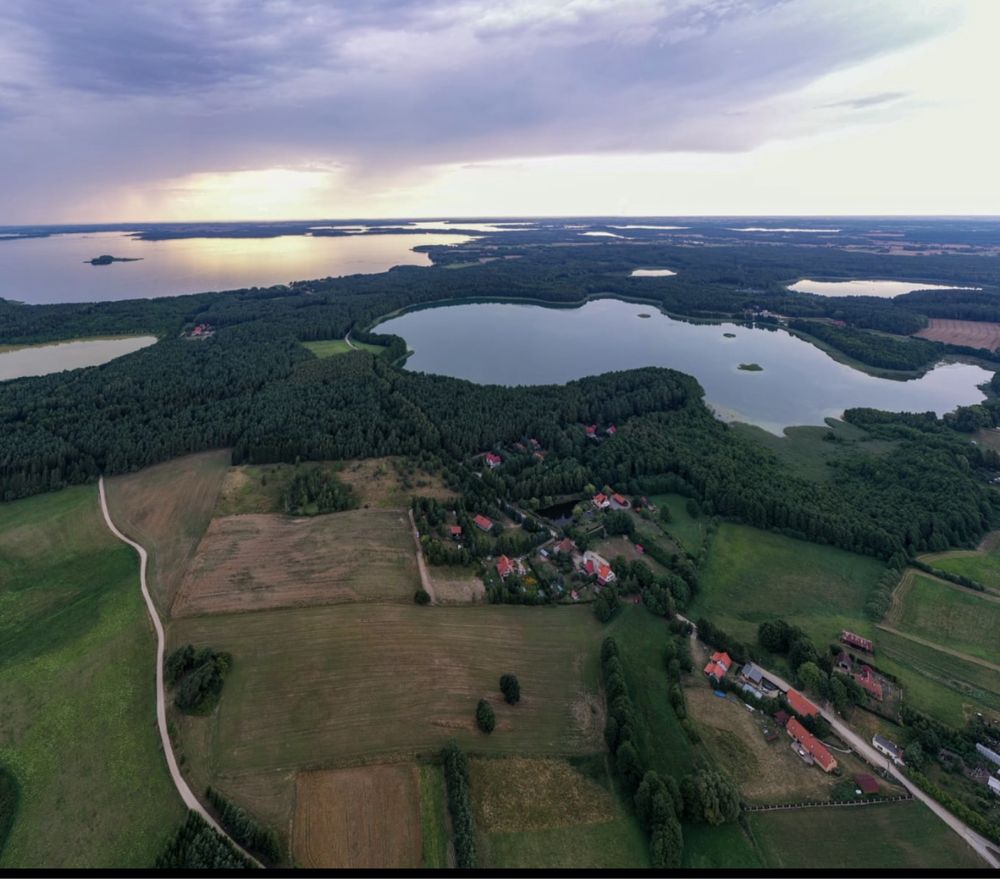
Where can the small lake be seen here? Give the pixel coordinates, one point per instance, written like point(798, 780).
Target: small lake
point(43, 359)
point(54, 269)
point(652, 273)
point(883, 289)
point(515, 344)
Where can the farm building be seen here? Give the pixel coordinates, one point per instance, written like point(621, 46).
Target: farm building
point(857, 641)
point(811, 745)
point(601, 501)
point(482, 523)
point(753, 676)
point(988, 753)
point(890, 749)
point(994, 785)
point(619, 501)
point(718, 665)
point(781, 717)
point(869, 682)
point(504, 566)
point(866, 783)
point(801, 705)
point(493, 461)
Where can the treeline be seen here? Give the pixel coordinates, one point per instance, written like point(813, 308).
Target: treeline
point(10, 800)
point(244, 828)
point(872, 349)
point(456, 777)
point(197, 846)
point(197, 676)
point(315, 490)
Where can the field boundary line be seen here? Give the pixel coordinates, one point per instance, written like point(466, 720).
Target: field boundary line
point(957, 654)
point(826, 804)
point(186, 794)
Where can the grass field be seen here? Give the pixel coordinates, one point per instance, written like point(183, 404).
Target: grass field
point(688, 531)
point(363, 818)
point(901, 836)
point(546, 813)
point(641, 640)
point(326, 686)
point(948, 615)
point(433, 818)
point(260, 561)
point(944, 686)
point(78, 723)
point(718, 848)
point(805, 452)
point(751, 576)
point(981, 566)
point(333, 347)
point(766, 772)
point(167, 508)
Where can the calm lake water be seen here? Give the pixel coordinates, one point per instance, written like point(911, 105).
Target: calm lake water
point(54, 269)
point(511, 344)
point(884, 289)
point(43, 359)
point(652, 273)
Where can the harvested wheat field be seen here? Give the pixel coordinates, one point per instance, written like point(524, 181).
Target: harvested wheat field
point(387, 483)
point(259, 562)
point(327, 686)
point(975, 334)
point(456, 585)
point(367, 817)
point(167, 508)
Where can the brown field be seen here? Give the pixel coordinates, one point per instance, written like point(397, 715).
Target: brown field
point(383, 483)
point(167, 508)
point(766, 772)
point(518, 793)
point(368, 817)
point(456, 585)
point(975, 334)
point(327, 687)
point(260, 561)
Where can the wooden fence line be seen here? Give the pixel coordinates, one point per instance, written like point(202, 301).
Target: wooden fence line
point(819, 804)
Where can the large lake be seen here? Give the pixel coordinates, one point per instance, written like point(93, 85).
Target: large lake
point(511, 344)
point(43, 359)
point(54, 269)
point(882, 289)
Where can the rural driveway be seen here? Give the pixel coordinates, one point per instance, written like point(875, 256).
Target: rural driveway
point(982, 846)
point(425, 578)
point(190, 800)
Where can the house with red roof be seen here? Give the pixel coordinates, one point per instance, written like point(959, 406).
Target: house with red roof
point(601, 501)
point(868, 680)
point(620, 501)
point(504, 566)
point(611, 430)
point(605, 575)
point(866, 783)
point(592, 430)
point(718, 665)
point(811, 745)
point(455, 531)
point(564, 547)
point(493, 461)
point(482, 523)
point(801, 705)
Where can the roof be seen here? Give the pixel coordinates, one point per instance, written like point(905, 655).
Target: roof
point(816, 749)
point(856, 640)
point(618, 499)
point(504, 566)
point(866, 783)
point(781, 717)
point(493, 459)
point(800, 704)
point(600, 498)
point(891, 747)
point(718, 665)
point(604, 572)
point(752, 672)
point(722, 658)
point(456, 529)
point(565, 545)
point(483, 522)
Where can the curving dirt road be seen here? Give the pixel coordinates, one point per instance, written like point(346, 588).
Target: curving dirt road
point(190, 800)
point(425, 578)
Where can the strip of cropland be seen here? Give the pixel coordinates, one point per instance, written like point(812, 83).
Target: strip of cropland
point(77, 727)
point(167, 508)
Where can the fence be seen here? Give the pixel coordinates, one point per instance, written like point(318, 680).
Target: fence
point(825, 804)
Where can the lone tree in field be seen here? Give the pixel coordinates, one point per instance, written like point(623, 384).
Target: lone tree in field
point(422, 596)
point(486, 720)
point(510, 688)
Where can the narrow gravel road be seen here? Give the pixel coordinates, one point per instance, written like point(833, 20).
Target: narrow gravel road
point(190, 800)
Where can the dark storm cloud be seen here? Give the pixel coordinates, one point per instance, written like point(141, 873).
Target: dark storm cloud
point(123, 92)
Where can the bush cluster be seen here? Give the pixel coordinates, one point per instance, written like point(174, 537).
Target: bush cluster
point(197, 676)
point(244, 828)
point(196, 846)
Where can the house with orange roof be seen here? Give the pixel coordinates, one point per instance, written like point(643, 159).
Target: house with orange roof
point(504, 566)
point(718, 665)
point(482, 523)
point(801, 705)
point(811, 745)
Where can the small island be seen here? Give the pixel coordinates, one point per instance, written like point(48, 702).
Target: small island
point(105, 259)
point(729, 335)
point(751, 367)
point(645, 315)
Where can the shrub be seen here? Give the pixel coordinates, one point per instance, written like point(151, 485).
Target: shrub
point(511, 688)
point(486, 719)
point(422, 597)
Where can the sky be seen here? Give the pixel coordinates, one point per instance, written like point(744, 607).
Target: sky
point(126, 110)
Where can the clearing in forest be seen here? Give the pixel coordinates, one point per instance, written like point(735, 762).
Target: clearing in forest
point(256, 562)
point(368, 817)
point(323, 686)
point(333, 347)
point(552, 813)
point(972, 333)
point(947, 615)
point(167, 508)
point(77, 727)
point(981, 565)
point(895, 835)
point(752, 575)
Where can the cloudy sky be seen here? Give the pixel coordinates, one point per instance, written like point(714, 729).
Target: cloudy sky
point(271, 109)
